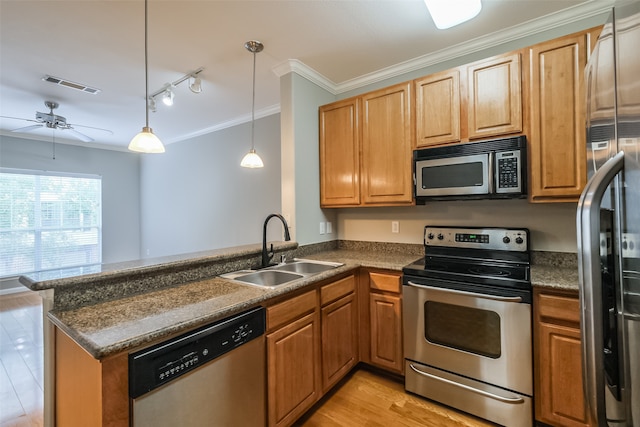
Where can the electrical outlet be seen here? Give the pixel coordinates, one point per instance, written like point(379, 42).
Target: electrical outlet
point(395, 226)
point(322, 227)
point(329, 227)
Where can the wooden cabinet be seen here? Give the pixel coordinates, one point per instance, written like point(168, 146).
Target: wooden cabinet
point(558, 396)
point(365, 149)
point(387, 146)
point(89, 392)
point(340, 154)
point(385, 318)
point(438, 108)
point(494, 96)
point(293, 358)
point(557, 154)
point(339, 320)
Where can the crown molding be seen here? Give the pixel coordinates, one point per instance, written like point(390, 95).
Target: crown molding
point(526, 29)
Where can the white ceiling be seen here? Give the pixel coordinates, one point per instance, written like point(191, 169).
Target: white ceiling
point(340, 44)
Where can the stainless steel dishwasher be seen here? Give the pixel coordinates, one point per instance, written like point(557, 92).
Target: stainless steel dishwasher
point(213, 376)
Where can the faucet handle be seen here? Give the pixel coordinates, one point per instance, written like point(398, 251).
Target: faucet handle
point(283, 259)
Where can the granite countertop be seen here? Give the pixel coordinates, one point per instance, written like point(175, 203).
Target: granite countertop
point(124, 324)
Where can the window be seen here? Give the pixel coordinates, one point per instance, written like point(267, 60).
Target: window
point(49, 221)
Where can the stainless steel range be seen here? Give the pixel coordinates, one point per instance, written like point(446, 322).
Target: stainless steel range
point(467, 322)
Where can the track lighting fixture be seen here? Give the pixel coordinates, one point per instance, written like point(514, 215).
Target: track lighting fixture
point(168, 91)
point(196, 86)
point(167, 97)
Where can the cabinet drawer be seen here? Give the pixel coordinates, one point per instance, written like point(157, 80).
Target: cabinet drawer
point(337, 289)
point(560, 307)
point(290, 309)
point(384, 282)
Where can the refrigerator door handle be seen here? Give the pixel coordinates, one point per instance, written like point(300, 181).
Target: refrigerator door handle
point(588, 229)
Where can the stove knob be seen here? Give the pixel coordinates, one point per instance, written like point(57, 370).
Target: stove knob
point(440, 236)
point(430, 236)
point(519, 240)
point(506, 240)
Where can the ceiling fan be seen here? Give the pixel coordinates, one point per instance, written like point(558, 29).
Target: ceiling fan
point(53, 121)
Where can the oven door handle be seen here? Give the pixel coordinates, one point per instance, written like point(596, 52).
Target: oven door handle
point(469, 294)
point(511, 400)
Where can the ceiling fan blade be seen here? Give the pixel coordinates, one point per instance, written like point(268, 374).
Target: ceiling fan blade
point(27, 128)
point(19, 118)
point(80, 136)
point(91, 127)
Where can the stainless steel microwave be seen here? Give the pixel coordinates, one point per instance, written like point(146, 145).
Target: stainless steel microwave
point(491, 169)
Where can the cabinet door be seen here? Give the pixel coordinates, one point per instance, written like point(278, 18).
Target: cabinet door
point(386, 331)
point(494, 96)
point(559, 396)
point(438, 108)
point(293, 370)
point(339, 339)
point(339, 154)
point(557, 138)
point(387, 177)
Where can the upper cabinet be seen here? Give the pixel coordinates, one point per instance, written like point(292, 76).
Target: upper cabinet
point(494, 96)
point(366, 145)
point(479, 100)
point(340, 154)
point(438, 108)
point(387, 146)
point(557, 138)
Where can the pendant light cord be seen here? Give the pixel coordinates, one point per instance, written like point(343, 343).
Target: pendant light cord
point(146, 65)
point(253, 102)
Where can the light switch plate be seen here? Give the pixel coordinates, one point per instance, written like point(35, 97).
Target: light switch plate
point(322, 227)
point(329, 227)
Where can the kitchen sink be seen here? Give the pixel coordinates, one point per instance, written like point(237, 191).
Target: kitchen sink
point(281, 274)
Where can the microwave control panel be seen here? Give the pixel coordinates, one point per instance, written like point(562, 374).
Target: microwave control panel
point(508, 164)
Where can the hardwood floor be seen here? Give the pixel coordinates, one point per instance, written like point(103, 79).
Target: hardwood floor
point(364, 398)
point(372, 399)
point(21, 360)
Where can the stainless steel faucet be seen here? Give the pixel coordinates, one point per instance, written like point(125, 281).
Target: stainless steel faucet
point(267, 255)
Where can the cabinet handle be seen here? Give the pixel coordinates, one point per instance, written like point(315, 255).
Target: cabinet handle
point(469, 294)
point(511, 400)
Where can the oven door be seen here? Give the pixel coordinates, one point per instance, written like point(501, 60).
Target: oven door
point(454, 176)
point(481, 336)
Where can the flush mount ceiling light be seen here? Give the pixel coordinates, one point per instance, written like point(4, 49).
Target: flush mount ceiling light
point(168, 91)
point(449, 13)
point(251, 159)
point(146, 141)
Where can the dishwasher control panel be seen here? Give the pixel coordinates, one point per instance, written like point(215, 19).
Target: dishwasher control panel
point(152, 367)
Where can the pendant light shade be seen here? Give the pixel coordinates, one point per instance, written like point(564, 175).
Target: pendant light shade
point(146, 141)
point(252, 159)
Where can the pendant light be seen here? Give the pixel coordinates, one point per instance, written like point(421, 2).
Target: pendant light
point(146, 141)
point(251, 159)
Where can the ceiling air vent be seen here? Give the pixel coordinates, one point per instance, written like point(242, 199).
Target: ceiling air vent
point(72, 85)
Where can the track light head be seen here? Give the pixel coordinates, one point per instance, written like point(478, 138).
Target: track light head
point(196, 86)
point(167, 96)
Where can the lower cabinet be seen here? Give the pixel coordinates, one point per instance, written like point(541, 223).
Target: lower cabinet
point(558, 365)
point(311, 344)
point(385, 321)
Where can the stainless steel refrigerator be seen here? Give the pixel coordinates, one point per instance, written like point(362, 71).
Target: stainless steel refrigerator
point(608, 224)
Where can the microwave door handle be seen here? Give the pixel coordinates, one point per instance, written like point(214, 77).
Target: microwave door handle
point(588, 229)
point(467, 294)
point(492, 171)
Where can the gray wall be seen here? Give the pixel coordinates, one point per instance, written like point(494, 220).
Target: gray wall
point(300, 158)
point(196, 196)
point(120, 173)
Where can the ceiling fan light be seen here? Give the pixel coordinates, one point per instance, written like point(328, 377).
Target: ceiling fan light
point(252, 160)
point(167, 97)
point(449, 13)
point(146, 142)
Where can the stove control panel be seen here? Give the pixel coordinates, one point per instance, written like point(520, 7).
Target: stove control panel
point(501, 239)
